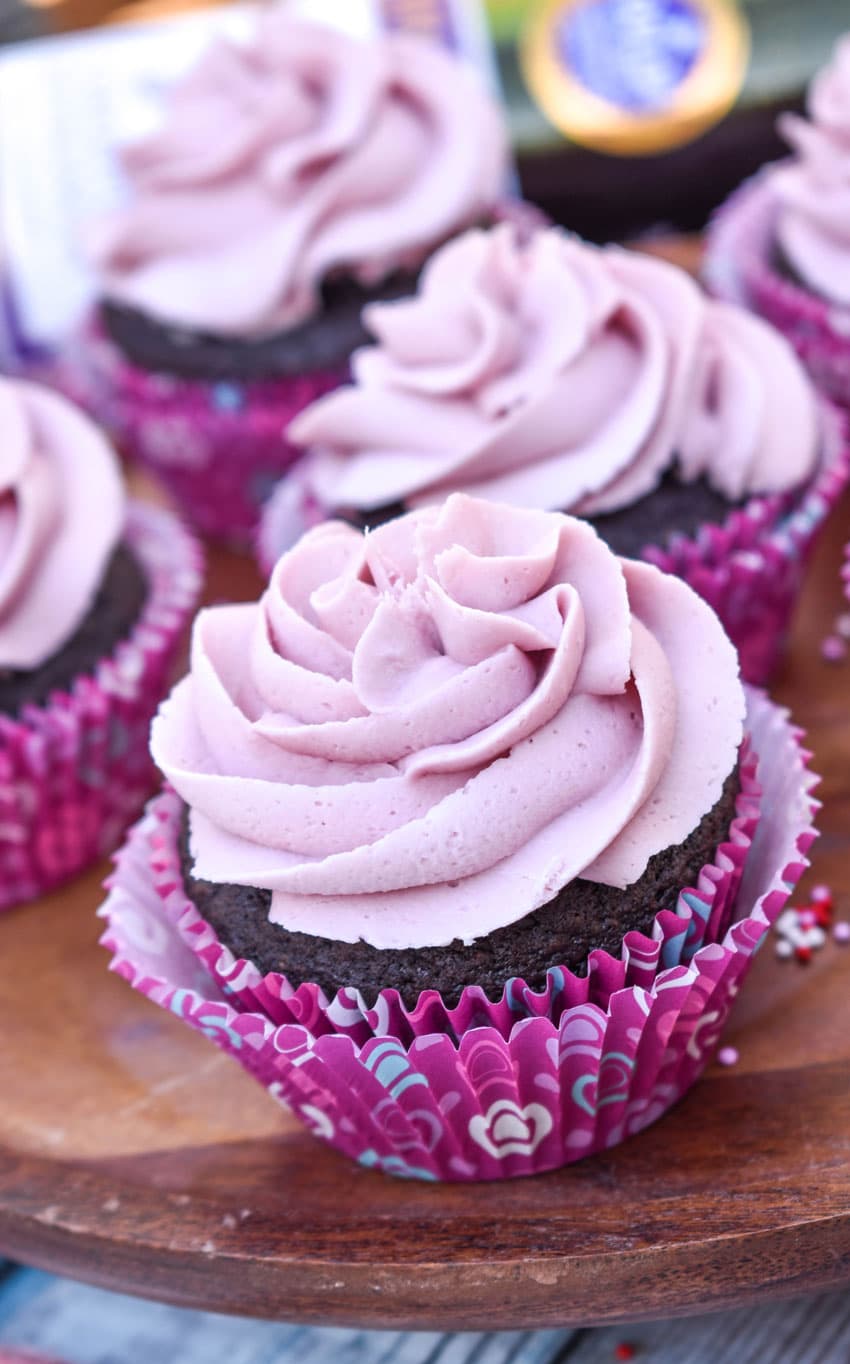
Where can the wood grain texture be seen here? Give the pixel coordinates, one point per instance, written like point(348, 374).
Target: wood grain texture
point(134, 1155)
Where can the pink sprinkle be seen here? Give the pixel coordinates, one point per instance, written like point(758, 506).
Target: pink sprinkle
point(806, 918)
point(728, 1056)
point(833, 649)
point(842, 625)
point(821, 893)
point(841, 931)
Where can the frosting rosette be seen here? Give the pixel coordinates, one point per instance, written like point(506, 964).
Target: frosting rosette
point(424, 732)
point(300, 153)
point(549, 373)
point(813, 225)
point(61, 516)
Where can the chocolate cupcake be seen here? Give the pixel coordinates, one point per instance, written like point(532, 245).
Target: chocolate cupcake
point(549, 373)
point(781, 244)
point(454, 751)
point(461, 803)
point(93, 595)
point(295, 178)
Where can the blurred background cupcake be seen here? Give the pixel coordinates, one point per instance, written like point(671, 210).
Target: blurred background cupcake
point(94, 594)
point(468, 783)
point(550, 373)
point(781, 245)
point(294, 178)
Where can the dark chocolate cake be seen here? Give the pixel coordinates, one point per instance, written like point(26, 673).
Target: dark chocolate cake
point(109, 620)
point(673, 508)
point(581, 917)
point(323, 342)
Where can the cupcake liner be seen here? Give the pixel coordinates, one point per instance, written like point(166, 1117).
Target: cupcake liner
point(218, 447)
point(740, 266)
point(75, 771)
point(749, 568)
point(702, 915)
point(482, 1092)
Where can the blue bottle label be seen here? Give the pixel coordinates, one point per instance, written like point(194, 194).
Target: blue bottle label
point(634, 76)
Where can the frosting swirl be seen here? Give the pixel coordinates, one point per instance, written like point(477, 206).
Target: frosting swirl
point(425, 732)
point(550, 373)
point(302, 153)
point(61, 515)
point(813, 225)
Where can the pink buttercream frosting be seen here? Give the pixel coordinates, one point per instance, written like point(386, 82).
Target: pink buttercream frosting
point(301, 153)
point(425, 732)
point(813, 225)
point(550, 373)
point(61, 516)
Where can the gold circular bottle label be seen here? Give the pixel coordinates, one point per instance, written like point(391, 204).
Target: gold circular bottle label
point(632, 77)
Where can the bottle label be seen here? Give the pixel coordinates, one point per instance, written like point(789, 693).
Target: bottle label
point(631, 77)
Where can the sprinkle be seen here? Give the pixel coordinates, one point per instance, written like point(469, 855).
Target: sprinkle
point(784, 948)
point(823, 915)
point(841, 931)
point(833, 649)
point(807, 916)
point(728, 1056)
point(803, 954)
point(821, 895)
point(842, 625)
point(625, 1350)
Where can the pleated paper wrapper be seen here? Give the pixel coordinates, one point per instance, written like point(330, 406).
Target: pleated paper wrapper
point(76, 771)
point(487, 1089)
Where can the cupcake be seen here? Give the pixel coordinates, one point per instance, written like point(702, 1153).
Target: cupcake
point(295, 178)
point(781, 245)
point(464, 849)
point(548, 373)
point(94, 593)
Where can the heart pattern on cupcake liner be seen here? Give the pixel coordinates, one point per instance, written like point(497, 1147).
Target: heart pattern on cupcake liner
point(76, 771)
point(485, 1102)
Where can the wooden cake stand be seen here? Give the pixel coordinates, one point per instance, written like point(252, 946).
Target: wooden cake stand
point(135, 1155)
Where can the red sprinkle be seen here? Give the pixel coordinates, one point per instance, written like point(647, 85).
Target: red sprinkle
point(803, 954)
point(625, 1350)
point(823, 915)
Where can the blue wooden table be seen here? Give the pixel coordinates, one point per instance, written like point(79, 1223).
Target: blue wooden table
point(81, 1325)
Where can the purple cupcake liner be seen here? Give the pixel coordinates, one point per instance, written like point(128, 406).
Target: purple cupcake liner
point(513, 1093)
point(740, 266)
point(76, 771)
point(702, 915)
point(749, 568)
point(217, 447)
